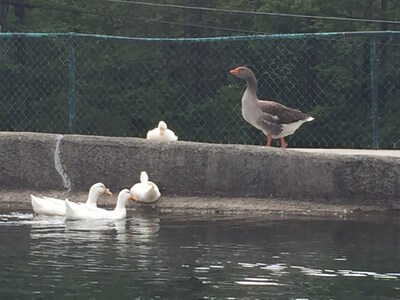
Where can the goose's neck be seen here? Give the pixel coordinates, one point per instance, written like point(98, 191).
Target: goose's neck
point(251, 89)
point(92, 199)
point(120, 204)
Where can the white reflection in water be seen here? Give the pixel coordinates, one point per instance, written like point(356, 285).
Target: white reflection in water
point(275, 267)
point(340, 259)
point(93, 240)
point(216, 266)
point(384, 276)
point(345, 273)
point(93, 235)
point(279, 269)
point(15, 216)
point(258, 283)
point(247, 265)
point(202, 268)
point(145, 227)
point(321, 274)
point(257, 279)
point(95, 225)
point(313, 272)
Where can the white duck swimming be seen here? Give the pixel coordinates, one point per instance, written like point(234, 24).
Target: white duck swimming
point(95, 213)
point(56, 207)
point(161, 133)
point(145, 191)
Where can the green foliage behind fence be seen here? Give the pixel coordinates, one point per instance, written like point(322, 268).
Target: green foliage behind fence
point(104, 85)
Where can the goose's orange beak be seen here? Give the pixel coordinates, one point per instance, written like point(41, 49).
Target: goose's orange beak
point(234, 71)
point(107, 192)
point(134, 198)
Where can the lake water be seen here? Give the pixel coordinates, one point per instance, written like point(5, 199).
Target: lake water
point(170, 256)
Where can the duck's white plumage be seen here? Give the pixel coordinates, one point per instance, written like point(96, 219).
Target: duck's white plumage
point(161, 133)
point(95, 213)
point(145, 191)
point(48, 206)
point(56, 207)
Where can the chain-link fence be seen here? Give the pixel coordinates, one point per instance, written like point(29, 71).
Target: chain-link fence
point(86, 84)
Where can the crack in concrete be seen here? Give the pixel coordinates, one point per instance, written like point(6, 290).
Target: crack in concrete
point(58, 164)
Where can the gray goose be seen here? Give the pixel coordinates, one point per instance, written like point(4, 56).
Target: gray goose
point(274, 119)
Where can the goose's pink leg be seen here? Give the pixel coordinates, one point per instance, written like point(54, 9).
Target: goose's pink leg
point(283, 143)
point(269, 141)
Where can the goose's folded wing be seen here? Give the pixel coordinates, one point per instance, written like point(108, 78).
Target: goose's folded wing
point(285, 114)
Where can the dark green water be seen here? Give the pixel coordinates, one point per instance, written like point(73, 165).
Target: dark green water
point(150, 256)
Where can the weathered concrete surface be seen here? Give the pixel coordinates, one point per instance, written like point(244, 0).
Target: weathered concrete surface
point(352, 152)
point(203, 175)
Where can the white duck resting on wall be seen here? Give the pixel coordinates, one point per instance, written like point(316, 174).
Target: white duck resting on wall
point(56, 207)
point(145, 191)
point(161, 133)
point(82, 212)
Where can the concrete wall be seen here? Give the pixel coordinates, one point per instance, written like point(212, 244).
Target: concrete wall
point(32, 161)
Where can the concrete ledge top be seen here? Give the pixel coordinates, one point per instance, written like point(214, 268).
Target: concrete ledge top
point(352, 152)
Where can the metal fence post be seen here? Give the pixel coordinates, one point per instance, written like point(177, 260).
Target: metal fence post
point(71, 83)
point(374, 93)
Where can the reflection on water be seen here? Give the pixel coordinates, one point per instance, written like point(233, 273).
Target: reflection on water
point(151, 256)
